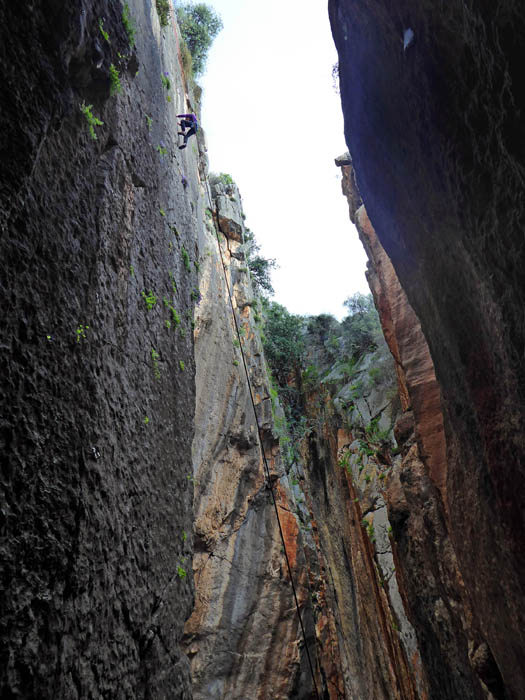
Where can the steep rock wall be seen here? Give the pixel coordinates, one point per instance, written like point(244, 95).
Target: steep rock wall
point(97, 390)
point(434, 130)
point(348, 466)
point(243, 638)
point(432, 587)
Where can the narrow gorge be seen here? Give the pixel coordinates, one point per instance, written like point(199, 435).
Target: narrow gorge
point(204, 495)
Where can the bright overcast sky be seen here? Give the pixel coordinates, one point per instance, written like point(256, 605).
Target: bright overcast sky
point(273, 122)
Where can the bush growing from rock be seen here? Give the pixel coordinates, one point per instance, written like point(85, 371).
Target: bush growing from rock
point(199, 25)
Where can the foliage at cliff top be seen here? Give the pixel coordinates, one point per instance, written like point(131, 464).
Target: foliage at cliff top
point(289, 339)
point(199, 25)
point(222, 178)
point(345, 362)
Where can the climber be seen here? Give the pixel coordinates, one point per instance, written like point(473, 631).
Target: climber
point(188, 121)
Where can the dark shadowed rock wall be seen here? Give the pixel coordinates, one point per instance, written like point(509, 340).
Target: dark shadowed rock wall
point(430, 584)
point(436, 135)
point(97, 381)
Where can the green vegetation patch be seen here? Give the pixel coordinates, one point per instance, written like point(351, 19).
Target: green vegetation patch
point(114, 78)
point(129, 25)
point(102, 30)
point(163, 11)
point(155, 360)
point(91, 119)
point(185, 259)
point(150, 299)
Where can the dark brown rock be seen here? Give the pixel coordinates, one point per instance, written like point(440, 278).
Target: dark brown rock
point(417, 487)
point(404, 427)
point(436, 140)
point(97, 416)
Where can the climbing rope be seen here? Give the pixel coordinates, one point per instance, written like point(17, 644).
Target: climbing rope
point(265, 462)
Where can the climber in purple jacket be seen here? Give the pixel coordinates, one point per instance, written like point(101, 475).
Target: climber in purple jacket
point(188, 121)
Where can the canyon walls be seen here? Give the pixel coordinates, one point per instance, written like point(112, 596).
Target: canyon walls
point(432, 121)
point(128, 436)
point(97, 274)
point(328, 473)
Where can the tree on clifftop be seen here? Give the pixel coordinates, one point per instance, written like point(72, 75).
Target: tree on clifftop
point(199, 25)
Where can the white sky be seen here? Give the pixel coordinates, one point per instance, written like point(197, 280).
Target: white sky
point(273, 122)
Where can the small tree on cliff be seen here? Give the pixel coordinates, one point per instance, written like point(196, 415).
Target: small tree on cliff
point(283, 341)
point(361, 328)
point(260, 267)
point(199, 25)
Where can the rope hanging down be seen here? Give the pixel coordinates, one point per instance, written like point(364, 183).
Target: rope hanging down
point(265, 462)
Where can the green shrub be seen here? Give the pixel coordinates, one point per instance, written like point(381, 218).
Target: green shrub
point(163, 11)
point(81, 332)
point(260, 273)
point(361, 328)
point(185, 259)
point(150, 299)
point(199, 25)
point(91, 119)
point(129, 25)
point(283, 343)
point(114, 77)
point(174, 314)
point(221, 178)
point(310, 376)
point(155, 360)
point(103, 31)
point(187, 62)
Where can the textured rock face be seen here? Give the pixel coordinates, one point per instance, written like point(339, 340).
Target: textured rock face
point(436, 142)
point(243, 638)
point(426, 568)
point(372, 657)
point(418, 386)
point(346, 477)
point(97, 414)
